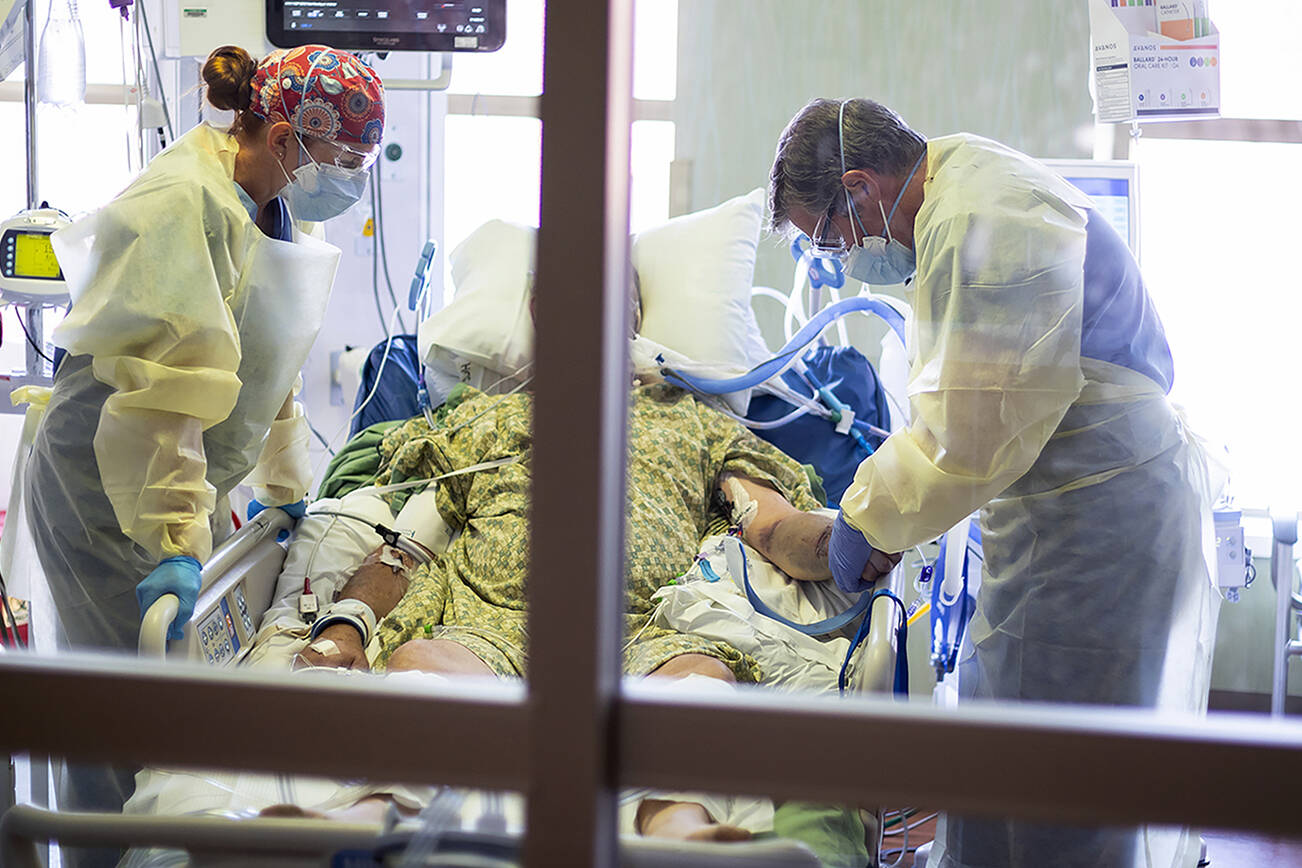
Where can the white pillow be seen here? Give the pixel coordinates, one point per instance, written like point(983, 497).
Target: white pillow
point(695, 273)
point(486, 332)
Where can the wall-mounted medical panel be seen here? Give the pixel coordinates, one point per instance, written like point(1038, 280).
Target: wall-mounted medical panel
point(388, 25)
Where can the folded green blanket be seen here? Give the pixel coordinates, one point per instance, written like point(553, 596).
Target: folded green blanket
point(357, 463)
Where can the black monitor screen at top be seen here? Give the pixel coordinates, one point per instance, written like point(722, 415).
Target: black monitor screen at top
point(388, 25)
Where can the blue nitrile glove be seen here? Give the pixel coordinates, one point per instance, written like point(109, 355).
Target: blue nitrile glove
point(293, 510)
point(847, 555)
point(178, 575)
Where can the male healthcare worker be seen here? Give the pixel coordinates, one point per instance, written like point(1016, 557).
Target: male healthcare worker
point(195, 301)
point(1038, 380)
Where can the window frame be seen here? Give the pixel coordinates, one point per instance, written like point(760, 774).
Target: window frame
point(571, 737)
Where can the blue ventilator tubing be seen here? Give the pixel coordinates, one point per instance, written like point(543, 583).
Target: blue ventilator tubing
point(789, 353)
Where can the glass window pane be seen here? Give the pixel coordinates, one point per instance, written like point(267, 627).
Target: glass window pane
point(1230, 322)
point(652, 152)
point(13, 151)
point(83, 154)
point(1256, 67)
point(493, 173)
point(655, 50)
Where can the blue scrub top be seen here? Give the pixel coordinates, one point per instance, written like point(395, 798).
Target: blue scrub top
point(1120, 324)
point(282, 225)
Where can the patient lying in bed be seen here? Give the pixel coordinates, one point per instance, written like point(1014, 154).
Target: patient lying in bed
point(690, 468)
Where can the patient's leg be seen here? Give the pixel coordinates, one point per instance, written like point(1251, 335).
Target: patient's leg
point(441, 656)
point(659, 818)
point(370, 810)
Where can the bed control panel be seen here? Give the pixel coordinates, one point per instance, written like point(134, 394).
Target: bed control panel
point(226, 632)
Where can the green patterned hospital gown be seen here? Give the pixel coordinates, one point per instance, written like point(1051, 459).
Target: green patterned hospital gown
point(474, 593)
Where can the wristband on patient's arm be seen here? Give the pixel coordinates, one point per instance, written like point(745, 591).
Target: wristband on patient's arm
point(355, 613)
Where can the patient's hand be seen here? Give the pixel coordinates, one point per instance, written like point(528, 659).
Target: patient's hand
point(347, 651)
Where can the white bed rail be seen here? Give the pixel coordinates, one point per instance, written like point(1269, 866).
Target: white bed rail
point(876, 668)
point(24, 826)
point(251, 544)
point(294, 843)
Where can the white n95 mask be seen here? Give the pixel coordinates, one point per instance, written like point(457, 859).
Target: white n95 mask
point(317, 192)
point(881, 261)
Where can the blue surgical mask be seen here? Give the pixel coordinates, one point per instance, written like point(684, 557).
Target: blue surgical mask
point(318, 192)
point(878, 261)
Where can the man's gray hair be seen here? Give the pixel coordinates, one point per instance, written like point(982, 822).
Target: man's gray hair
point(806, 170)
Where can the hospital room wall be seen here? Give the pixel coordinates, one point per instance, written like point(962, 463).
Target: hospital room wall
point(746, 66)
point(411, 188)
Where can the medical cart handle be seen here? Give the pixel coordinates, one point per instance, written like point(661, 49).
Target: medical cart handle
point(153, 627)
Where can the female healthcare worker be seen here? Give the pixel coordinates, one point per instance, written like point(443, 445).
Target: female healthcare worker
point(195, 301)
point(1038, 380)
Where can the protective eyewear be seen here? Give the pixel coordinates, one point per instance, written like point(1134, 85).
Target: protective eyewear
point(827, 242)
point(351, 161)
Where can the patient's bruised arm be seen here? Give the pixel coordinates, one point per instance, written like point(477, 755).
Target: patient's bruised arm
point(795, 541)
point(380, 584)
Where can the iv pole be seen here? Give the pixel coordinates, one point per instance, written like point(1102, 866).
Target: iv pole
point(34, 313)
point(29, 97)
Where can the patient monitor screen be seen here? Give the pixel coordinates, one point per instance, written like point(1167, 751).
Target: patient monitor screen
point(30, 255)
point(477, 25)
point(1112, 196)
point(1113, 186)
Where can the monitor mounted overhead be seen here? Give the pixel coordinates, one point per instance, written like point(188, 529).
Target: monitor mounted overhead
point(388, 25)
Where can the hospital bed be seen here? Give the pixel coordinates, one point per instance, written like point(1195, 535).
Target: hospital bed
point(243, 585)
point(239, 585)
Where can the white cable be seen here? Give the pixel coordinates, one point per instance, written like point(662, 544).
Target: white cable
point(428, 412)
point(904, 850)
point(779, 389)
point(490, 407)
point(642, 629)
point(384, 360)
point(474, 468)
point(505, 377)
point(769, 425)
point(910, 826)
point(795, 320)
point(811, 407)
point(769, 292)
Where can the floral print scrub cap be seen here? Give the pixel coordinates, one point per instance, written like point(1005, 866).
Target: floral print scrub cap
point(321, 92)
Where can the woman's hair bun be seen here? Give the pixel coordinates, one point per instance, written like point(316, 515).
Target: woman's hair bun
point(228, 72)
